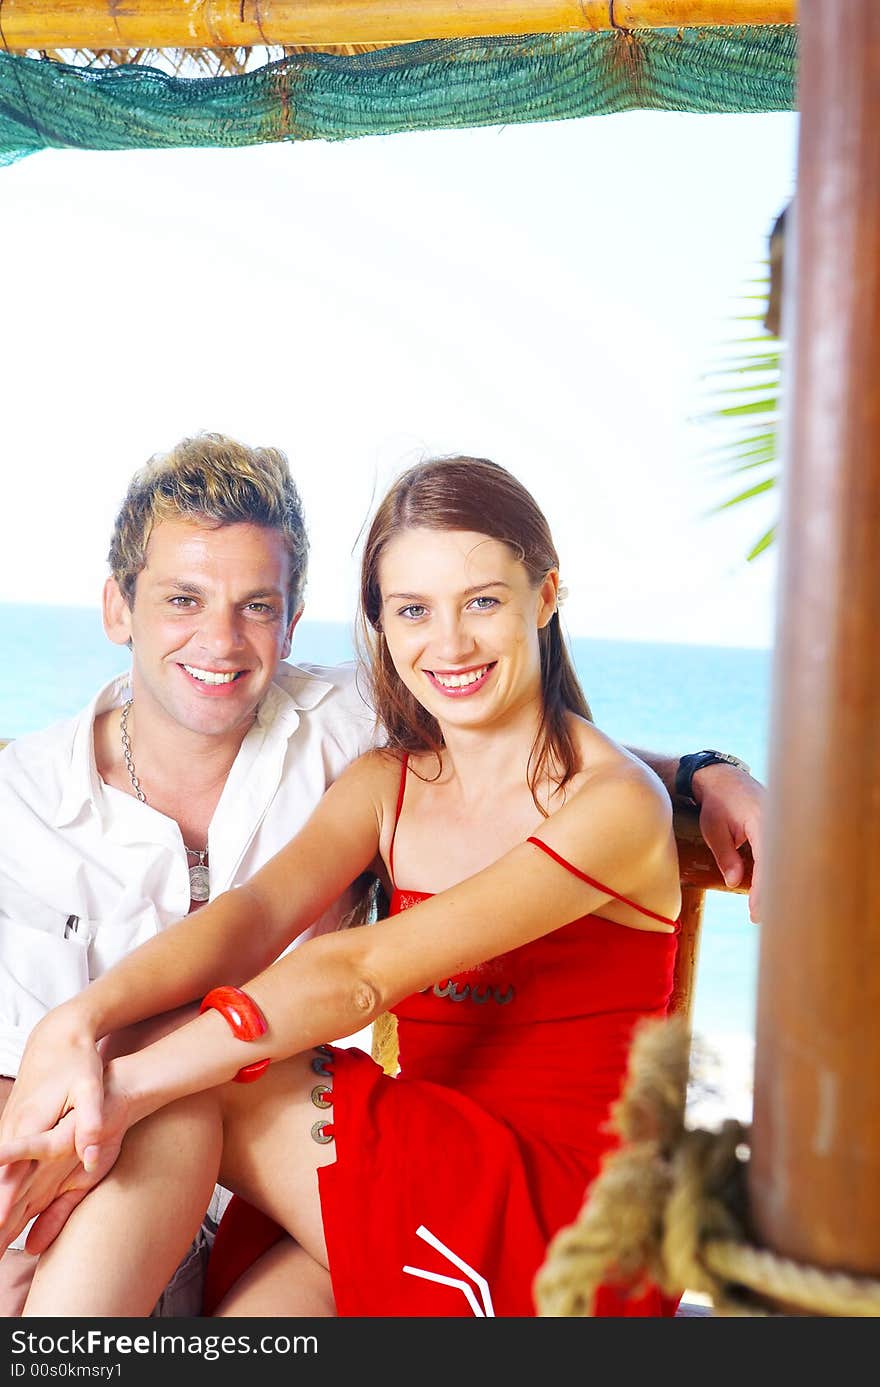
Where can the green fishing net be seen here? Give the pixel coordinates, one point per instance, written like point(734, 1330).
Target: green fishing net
point(435, 84)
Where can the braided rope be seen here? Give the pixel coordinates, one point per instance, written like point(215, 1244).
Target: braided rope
point(810, 1289)
point(669, 1207)
point(385, 1050)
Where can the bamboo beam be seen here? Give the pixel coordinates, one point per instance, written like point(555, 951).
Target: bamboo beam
point(690, 921)
point(696, 865)
point(181, 24)
point(814, 1174)
point(698, 873)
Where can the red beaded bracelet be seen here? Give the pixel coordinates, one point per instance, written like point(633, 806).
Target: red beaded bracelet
point(245, 1020)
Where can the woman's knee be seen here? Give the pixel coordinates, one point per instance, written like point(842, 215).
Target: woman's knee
point(284, 1281)
point(272, 1147)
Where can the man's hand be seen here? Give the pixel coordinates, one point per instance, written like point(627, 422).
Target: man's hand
point(61, 1072)
point(44, 1166)
point(50, 1179)
point(731, 805)
point(731, 813)
point(40, 1172)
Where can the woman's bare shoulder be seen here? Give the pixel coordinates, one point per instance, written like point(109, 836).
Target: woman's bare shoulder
point(616, 824)
point(378, 770)
point(614, 804)
point(607, 768)
point(364, 793)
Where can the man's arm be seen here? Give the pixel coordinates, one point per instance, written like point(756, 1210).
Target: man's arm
point(731, 805)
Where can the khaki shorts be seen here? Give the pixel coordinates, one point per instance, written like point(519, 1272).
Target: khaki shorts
point(182, 1297)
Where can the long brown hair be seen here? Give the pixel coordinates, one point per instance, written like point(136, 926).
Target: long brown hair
point(464, 493)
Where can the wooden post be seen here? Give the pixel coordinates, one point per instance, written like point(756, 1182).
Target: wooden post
point(107, 24)
point(814, 1177)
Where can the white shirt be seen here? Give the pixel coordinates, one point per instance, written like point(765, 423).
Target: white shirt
point(88, 872)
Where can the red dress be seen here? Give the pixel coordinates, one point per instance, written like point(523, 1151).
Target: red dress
point(451, 1178)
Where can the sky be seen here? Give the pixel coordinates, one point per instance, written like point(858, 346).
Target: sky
point(551, 296)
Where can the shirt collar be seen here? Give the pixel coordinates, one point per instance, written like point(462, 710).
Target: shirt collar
point(279, 710)
point(296, 688)
point(82, 785)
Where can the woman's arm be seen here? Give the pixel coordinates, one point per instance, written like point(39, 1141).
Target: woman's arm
point(337, 984)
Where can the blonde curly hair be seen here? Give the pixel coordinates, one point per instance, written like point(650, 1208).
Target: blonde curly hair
point(210, 477)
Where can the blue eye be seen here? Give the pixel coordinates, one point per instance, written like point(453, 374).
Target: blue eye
point(413, 611)
point(484, 603)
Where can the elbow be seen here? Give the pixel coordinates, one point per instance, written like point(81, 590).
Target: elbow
point(365, 1000)
point(342, 981)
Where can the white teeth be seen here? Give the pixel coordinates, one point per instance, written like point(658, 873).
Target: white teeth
point(208, 676)
point(460, 681)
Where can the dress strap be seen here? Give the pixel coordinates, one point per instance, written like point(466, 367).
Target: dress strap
point(400, 794)
point(600, 886)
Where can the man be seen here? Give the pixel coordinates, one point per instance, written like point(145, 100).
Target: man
point(179, 780)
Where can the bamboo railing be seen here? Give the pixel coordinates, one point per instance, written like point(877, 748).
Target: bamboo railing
point(699, 873)
point(212, 24)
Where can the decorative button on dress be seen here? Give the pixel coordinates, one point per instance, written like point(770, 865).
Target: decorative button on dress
point(451, 1177)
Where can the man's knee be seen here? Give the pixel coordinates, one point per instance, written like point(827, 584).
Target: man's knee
point(16, 1273)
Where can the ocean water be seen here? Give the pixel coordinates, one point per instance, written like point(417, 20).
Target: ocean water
point(670, 698)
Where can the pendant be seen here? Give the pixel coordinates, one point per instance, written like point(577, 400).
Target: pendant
point(199, 883)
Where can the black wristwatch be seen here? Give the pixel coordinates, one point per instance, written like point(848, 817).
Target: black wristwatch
point(695, 761)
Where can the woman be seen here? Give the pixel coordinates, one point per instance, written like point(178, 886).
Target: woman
point(534, 891)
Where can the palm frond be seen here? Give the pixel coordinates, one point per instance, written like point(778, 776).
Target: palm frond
point(745, 388)
point(763, 543)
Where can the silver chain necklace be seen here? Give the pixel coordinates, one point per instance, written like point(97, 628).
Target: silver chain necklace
point(199, 879)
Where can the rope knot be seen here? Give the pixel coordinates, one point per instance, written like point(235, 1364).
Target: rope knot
point(669, 1206)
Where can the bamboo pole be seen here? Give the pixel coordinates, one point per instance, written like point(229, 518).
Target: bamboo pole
point(193, 24)
point(814, 1174)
